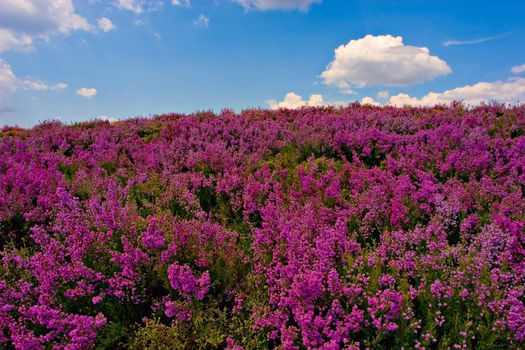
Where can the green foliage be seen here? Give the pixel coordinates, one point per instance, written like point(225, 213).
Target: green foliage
point(208, 327)
point(177, 210)
point(113, 337)
point(68, 170)
point(148, 133)
point(145, 195)
point(109, 167)
point(205, 330)
point(207, 198)
point(155, 335)
point(14, 230)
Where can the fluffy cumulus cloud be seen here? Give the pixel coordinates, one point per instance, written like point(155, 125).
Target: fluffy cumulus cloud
point(10, 83)
point(202, 22)
point(518, 69)
point(382, 60)
point(24, 21)
point(265, 5)
point(369, 101)
point(292, 100)
point(509, 91)
point(105, 24)
point(108, 119)
point(87, 92)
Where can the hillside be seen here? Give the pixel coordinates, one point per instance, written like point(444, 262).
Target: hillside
point(356, 227)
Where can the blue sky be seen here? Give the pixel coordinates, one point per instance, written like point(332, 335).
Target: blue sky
point(79, 60)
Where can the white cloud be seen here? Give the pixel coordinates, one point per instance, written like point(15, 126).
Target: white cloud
point(10, 83)
point(130, 5)
point(24, 21)
point(472, 41)
point(87, 92)
point(60, 86)
point(344, 87)
point(382, 60)
point(292, 100)
point(12, 41)
point(40, 86)
point(369, 101)
point(202, 21)
point(518, 69)
point(264, 5)
point(315, 100)
point(180, 2)
point(106, 118)
point(510, 91)
point(139, 6)
point(105, 24)
point(383, 94)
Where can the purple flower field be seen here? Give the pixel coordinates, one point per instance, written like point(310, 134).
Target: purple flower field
point(319, 228)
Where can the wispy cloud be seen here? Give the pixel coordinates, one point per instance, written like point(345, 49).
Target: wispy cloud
point(202, 21)
point(265, 5)
point(518, 69)
point(10, 83)
point(106, 25)
point(454, 42)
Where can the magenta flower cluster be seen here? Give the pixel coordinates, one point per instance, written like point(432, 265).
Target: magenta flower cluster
point(182, 280)
point(355, 227)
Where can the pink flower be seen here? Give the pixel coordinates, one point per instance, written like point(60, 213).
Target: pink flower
point(182, 279)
